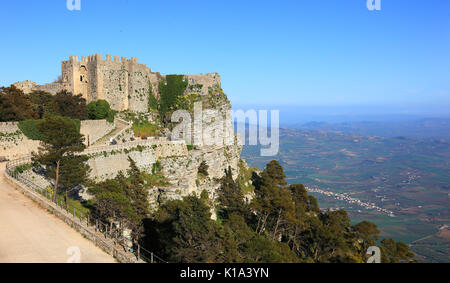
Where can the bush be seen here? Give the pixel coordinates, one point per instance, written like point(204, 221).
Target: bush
point(145, 129)
point(156, 167)
point(20, 169)
point(99, 110)
point(203, 169)
point(29, 127)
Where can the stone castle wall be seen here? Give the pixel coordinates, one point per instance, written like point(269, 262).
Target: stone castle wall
point(109, 162)
point(93, 130)
point(14, 144)
point(52, 88)
point(25, 86)
point(124, 83)
point(8, 127)
point(206, 80)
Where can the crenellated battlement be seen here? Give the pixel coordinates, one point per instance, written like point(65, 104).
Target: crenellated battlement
point(102, 59)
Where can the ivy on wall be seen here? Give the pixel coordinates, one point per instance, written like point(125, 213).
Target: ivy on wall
point(171, 88)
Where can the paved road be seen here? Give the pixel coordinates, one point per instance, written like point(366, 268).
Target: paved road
point(30, 234)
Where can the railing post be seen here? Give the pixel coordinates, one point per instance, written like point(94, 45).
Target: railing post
point(151, 257)
point(139, 251)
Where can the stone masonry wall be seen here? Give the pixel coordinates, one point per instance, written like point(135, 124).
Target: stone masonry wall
point(52, 88)
point(107, 163)
point(8, 127)
point(25, 86)
point(14, 144)
point(93, 130)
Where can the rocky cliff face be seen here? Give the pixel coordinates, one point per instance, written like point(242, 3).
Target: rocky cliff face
point(219, 150)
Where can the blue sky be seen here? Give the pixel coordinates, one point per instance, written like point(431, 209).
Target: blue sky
point(288, 53)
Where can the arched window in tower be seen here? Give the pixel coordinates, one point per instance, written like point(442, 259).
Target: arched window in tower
point(83, 74)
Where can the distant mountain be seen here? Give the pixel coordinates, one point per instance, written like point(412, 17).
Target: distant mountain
point(430, 128)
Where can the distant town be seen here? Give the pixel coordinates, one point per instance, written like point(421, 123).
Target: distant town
point(345, 197)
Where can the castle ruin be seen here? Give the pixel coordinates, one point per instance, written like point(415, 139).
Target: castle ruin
point(123, 82)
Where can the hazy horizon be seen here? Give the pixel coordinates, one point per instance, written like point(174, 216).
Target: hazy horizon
point(297, 53)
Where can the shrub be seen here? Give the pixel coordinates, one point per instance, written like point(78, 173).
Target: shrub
point(156, 167)
point(203, 169)
point(30, 130)
point(100, 109)
point(145, 129)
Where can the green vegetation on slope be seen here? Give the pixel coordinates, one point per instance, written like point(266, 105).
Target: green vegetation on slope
point(145, 129)
point(30, 128)
point(281, 224)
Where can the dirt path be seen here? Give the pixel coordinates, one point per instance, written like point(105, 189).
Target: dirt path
point(29, 234)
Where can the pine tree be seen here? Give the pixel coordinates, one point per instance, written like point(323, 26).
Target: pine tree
point(61, 140)
point(73, 171)
point(231, 198)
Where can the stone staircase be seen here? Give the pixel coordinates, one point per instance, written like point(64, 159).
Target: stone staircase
point(121, 126)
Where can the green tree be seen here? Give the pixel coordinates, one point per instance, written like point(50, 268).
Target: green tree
point(15, 105)
point(66, 104)
point(395, 252)
point(123, 199)
point(137, 192)
point(61, 140)
point(186, 233)
point(41, 101)
point(273, 203)
point(73, 171)
point(366, 234)
point(111, 203)
point(231, 198)
point(99, 109)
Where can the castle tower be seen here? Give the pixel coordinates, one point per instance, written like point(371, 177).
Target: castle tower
point(75, 76)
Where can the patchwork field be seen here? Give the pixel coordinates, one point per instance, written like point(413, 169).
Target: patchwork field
point(409, 177)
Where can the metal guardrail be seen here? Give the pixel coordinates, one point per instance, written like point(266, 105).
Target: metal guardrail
point(86, 222)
